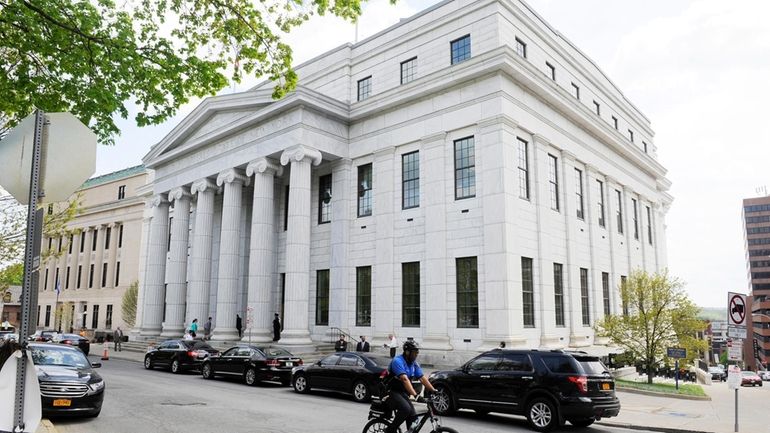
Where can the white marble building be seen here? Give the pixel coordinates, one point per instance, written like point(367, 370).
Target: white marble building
point(488, 183)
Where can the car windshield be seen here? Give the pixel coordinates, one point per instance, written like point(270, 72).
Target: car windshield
point(56, 356)
point(592, 365)
point(275, 351)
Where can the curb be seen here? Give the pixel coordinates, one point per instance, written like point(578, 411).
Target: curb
point(663, 394)
point(46, 427)
point(648, 428)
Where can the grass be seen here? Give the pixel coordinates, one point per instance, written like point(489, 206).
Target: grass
point(684, 389)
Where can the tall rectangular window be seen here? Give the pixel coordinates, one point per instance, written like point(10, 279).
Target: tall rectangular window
point(108, 318)
point(467, 292)
point(615, 122)
point(551, 71)
point(597, 108)
point(523, 169)
point(120, 237)
point(82, 240)
point(584, 304)
point(364, 296)
point(558, 291)
point(56, 279)
point(408, 70)
point(45, 283)
point(104, 275)
point(365, 190)
point(465, 168)
point(606, 292)
point(410, 180)
point(85, 311)
point(121, 192)
point(91, 277)
point(364, 88)
point(80, 272)
point(644, 145)
point(631, 135)
point(410, 294)
point(576, 91)
point(94, 240)
point(285, 210)
point(636, 219)
point(649, 225)
point(107, 238)
point(95, 317)
point(527, 293)
point(67, 279)
point(322, 297)
point(521, 48)
point(117, 274)
point(600, 202)
point(622, 290)
point(579, 194)
point(461, 49)
point(60, 242)
point(47, 316)
point(619, 211)
point(72, 237)
point(553, 180)
point(325, 199)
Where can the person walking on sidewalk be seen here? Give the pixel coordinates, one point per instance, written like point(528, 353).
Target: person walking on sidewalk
point(392, 344)
point(207, 329)
point(194, 328)
point(117, 340)
point(238, 325)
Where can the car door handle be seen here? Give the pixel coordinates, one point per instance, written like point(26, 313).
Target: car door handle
point(484, 376)
point(527, 377)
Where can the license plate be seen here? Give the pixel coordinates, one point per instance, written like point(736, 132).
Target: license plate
point(62, 402)
point(605, 386)
point(289, 364)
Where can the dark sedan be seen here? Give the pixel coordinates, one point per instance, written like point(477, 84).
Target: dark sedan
point(348, 372)
point(68, 383)
point(252, 363)
point(178, 355)
point(74, 340)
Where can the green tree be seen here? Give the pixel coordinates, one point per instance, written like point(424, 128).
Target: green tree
point(128, 305)
point(660, 315)
point(12, 275)
point(91, 57)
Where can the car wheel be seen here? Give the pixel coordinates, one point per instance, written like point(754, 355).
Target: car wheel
point(207, 371)
point(250, 377)
point(176, 368)
point(301, 384)
point(443, 402)
point(582, 422)
point(541, 414)
point(148, 364)
point(360, 392)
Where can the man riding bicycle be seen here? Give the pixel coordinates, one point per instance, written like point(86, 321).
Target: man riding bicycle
point(404, 368)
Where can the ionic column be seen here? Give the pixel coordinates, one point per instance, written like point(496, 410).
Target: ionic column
point(86, 257)
point(75, 259)
point(99, 232)
point(296, 330)
point(227, 283)
point(262, 249)
point(176, 270)
point(154, 291)
point(143, 257)
point(113, 259)
point(199, 281)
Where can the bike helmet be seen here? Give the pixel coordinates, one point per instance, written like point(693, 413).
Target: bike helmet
point(411, 346)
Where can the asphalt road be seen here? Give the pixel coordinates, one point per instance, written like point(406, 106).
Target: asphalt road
point(144, 401)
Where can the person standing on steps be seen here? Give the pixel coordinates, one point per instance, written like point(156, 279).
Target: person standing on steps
point(392, 344)
point(276, 328)
point(363, 345)
point(239, 325)
point(341, 345)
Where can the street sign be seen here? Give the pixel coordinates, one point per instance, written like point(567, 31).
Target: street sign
point(736, 309)
point(735, 351)
point(733, 377)
point(676, 352)
point(69, 157)
point(736, 332)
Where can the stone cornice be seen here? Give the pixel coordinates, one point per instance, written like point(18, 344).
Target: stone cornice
point(264, 166)
point(300, 152)
point(232, 175)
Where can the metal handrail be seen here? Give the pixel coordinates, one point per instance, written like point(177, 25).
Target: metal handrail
point(335, 333)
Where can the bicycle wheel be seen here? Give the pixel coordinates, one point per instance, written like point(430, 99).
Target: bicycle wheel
point(444, 430)
point(377, 425)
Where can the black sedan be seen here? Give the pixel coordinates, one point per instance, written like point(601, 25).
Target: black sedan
point(252, 363)
point(348, 372)
point(74, 340)
point(178, 355)
point(68, 383)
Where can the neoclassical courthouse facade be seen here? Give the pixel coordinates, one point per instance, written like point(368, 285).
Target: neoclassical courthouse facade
point(465, 177)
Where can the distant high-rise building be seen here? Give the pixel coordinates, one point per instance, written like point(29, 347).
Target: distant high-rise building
point(756, 222)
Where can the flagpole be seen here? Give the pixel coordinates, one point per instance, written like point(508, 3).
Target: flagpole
point(56, 312)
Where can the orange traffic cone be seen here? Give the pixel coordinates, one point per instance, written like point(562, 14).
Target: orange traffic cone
point(106, 352)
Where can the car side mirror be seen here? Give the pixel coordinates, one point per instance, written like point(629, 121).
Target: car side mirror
point(96, 364)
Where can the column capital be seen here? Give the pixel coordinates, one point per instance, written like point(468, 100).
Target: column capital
point(202, 185)
point(264, 166)
point(300, 152)
point(158, 200)
point(180, 193)
point(231, 175)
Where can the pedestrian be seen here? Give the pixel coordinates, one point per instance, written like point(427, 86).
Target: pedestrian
point(194, 328)
point(392, 344)
point(207, 329)
point(502, 345)
point(238, 324)
point(363, 345)
point(117, 340)
point(276, 328)
point(341, 345)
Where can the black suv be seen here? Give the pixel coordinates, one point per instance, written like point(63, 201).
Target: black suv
point(548, 387)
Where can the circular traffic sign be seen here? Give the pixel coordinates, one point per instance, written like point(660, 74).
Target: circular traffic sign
point(737, 309)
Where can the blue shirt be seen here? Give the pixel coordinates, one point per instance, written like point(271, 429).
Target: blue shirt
point(399, 366)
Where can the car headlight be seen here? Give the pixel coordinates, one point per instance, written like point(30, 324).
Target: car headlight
point(95, 387)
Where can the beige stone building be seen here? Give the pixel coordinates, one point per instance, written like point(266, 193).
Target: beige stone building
point(99, 261)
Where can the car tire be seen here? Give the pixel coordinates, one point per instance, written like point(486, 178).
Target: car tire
point(250, 377)
point(207, 371)
point(541, 414)
point(582, 422)
point(361, 392)
point(176, 367)
point(444, 403)
point(148, 364)
point(301, 384)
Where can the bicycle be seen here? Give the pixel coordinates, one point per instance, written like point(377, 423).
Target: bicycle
point(381, 416)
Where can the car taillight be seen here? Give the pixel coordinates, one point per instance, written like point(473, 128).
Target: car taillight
point(383, 374)
point(192, 353)
point(299, 362)
point(581, 382)
point(272, 363)
point(66, 342)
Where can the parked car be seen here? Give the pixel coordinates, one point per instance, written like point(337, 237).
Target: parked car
point(717, 374)
point(764, 375)
point(546, 387)
point(178, 355)
point(354, 373)
point(750, 378)
point(68, 383)
point(252, 363)
point(43, 336)
point(73, 340)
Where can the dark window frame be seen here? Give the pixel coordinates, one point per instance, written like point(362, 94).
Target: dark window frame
point(365, 188)
point(576, 90)
point(121, 192)
point(636, 219)
point(598, 108)
point(649, 224)
point(286, 191)
point(408, 70)
point(606, 293)
point(410, 295)
point(528, 292)
point(552, 68)
point(117, 274)
point(521, 48)
point(553, 181)
point(364, 88)
point(467, 291)
point(619, 210)
point(467, 169)
point(364, 296)
point(600, 203)
point(558, 293)
point(95, 317)
point(325, 183)
point(322, 285)
point(585, 301)
point(410, 180)
point(460, 49)
point(579, 193)
point(523, 153)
